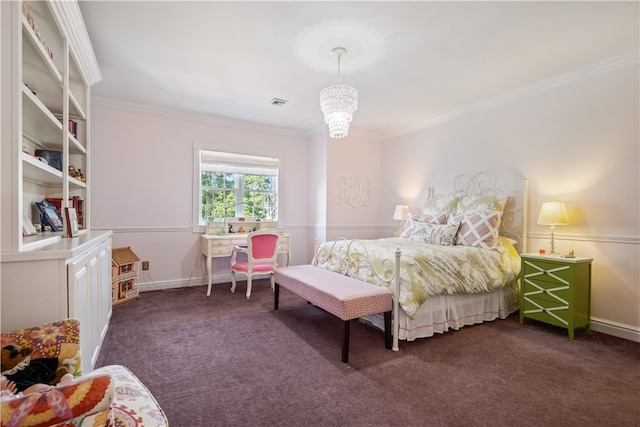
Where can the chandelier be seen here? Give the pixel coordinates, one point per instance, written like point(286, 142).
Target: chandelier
point(338, 102)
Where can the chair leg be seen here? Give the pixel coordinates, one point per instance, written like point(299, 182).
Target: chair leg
point(248, 286)
point(273, 280)
point(233, 281)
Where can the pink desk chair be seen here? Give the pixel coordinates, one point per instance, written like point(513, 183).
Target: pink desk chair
point(262, 252)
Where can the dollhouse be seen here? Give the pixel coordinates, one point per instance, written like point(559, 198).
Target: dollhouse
point(124, 277)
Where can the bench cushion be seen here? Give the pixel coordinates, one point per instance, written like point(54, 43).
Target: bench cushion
point(340, 295)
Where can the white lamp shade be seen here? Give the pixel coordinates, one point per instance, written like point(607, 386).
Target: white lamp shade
point(553, 213)
point(401, 212)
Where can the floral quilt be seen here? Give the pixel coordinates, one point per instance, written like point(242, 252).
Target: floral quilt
point(425, 269)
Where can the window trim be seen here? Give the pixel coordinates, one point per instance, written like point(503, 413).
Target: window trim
point(197, 148)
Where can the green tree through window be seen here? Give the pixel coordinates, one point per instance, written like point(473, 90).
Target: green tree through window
point(237, 189)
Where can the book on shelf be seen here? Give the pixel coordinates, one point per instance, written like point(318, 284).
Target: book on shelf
point(75, 127)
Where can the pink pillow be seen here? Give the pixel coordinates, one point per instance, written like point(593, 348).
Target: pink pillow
point(412, 221)
point(477, 229)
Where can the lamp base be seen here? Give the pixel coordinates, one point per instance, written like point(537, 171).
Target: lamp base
point(553, 241)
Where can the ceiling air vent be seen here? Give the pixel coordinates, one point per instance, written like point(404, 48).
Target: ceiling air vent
point(278, 102)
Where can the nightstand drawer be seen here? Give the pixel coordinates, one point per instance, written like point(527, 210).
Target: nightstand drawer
point(560, 293)
point(535, 303)
point(551, 272)
point(557, 316)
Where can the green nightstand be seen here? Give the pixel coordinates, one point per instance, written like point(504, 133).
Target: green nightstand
point(556, 290)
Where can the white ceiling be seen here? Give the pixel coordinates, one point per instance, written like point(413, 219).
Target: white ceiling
point(410, 61)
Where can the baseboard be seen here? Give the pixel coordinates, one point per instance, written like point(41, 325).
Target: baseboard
point(164, 285)
point(616, 329)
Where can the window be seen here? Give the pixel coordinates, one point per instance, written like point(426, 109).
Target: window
point(236, 185)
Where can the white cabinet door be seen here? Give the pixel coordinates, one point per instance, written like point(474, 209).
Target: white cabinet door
point(94, 310)
point(80, 305)
point(90, 299)
point(105, 307)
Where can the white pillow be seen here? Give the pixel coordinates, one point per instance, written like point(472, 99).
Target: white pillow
point(413, 220)
point(434, 234)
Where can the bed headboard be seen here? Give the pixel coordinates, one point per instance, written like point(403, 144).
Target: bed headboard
point(514, 218)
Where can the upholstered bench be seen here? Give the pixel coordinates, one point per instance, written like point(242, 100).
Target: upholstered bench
point(340, 295)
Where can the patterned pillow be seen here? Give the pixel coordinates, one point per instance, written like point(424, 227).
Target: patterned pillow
point(477, 229)
point(438, 205)
point(59, 339)
point(85, 396)
point(435, 234)
point(413, 220)
point(474, 204)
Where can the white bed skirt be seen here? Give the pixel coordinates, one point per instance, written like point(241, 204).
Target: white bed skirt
point(444, 312)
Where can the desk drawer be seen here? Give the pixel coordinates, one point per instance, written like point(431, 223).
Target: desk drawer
point(219, 242)
point(220, 250)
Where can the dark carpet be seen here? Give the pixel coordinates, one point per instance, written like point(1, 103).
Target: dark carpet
point(228, 361)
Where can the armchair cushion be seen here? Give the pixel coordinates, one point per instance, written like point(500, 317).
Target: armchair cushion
point(133, 404)
point(59, 339)
point(85, 396)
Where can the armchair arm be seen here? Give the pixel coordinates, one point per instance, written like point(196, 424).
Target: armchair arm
point(83, 397)
point(235, 250)
point(59, 339)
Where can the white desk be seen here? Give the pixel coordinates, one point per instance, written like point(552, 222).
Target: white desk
point(222, 246)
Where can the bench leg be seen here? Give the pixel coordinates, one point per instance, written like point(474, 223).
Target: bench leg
point(387, 330)
point(345, 341)
point(276, 295)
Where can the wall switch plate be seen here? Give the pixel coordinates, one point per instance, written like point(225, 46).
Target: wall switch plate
point(145, 265)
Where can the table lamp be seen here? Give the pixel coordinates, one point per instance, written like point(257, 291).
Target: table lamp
point(553, 213)
point(400, 213)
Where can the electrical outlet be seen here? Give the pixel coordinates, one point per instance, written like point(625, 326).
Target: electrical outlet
point(145, 265)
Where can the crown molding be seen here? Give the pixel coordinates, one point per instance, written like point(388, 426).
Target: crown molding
point(67, 14)
point(590, 71)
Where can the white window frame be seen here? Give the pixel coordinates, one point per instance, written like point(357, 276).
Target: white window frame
point(249, 161)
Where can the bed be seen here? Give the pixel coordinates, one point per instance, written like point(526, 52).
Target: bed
point(456, 262)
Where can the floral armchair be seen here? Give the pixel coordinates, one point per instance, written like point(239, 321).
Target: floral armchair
point(108, 396)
